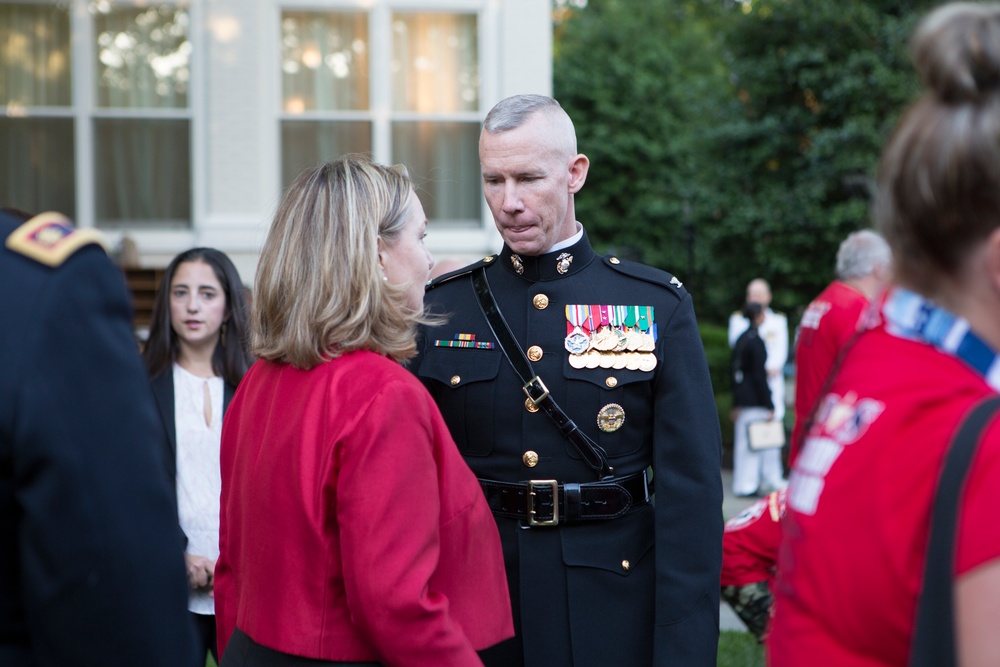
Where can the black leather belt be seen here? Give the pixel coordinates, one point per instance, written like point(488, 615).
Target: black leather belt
point(546, 502)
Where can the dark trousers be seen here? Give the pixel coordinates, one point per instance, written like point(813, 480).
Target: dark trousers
point(242, 651)
point(205, 626)
point(508, 653)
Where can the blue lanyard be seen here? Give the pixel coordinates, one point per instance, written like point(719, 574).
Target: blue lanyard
point(909, 315)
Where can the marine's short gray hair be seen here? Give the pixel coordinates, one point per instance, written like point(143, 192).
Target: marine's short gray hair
point(514, 111)
point(861, 253)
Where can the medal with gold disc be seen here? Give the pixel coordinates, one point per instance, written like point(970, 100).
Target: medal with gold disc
point(577, 342)
point(610, 418)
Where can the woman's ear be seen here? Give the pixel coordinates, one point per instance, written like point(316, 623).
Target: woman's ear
point(381, 253)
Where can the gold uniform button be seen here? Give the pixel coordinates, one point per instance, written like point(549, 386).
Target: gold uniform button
point(615, 260)
point(541, 301)
point(488, 258)
point(455, 379)
point(530, 459)
point(534, 353)
point(626, 565)
point(612, 382)
point(530, 406)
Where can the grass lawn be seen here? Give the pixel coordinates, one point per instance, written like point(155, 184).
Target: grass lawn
point(739, 649)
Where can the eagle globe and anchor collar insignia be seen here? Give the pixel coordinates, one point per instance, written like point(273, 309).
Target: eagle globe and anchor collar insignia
point(562, 263)
point(554, 265)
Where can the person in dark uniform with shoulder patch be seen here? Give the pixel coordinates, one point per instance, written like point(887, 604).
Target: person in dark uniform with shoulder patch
point(572, 383)
point(91, 572)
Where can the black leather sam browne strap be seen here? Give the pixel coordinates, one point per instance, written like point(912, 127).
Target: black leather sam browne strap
point(593, 455)
point(933, 642)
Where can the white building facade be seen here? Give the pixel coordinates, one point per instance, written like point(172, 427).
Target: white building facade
point(180, 123)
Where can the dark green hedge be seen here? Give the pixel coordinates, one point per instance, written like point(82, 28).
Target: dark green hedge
point(717, 352)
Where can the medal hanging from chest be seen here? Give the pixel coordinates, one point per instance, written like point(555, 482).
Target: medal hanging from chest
point(611, 336)
point(578, 341)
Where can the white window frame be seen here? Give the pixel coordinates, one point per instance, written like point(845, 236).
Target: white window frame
point(445, 237)
point(85, 112)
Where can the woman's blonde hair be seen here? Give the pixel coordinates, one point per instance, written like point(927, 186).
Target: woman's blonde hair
point(320, 291)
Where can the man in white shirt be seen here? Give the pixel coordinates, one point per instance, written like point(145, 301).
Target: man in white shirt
point(774, 331)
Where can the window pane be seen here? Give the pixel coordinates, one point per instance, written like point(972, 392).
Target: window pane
point(305, 144)
point(443, 161)
point(324, 61)
point(435, 63)
point(142, 57)
point(37, 165)
point(142, 172)
point(34, 55)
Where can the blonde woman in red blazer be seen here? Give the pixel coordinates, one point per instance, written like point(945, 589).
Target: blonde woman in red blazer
point(352, 532)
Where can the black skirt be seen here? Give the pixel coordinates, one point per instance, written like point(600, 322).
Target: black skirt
point(242, 651)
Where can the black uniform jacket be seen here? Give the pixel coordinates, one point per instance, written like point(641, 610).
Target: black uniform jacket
point(638, 590)
point(163, 393)
point(749, 376)
point(91, 567)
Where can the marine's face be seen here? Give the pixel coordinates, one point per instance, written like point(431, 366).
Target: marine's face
point(197, 304)
point(408, 262)
point(529, 178)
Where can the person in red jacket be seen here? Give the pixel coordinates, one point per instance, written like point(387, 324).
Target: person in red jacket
point(351, 529)
point(749, 560)
point(832, 318)
point(857, 523)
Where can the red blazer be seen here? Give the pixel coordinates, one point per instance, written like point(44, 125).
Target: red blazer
point(351, 528)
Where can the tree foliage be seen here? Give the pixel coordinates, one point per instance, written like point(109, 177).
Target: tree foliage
point(733, 139)
point(634, 76)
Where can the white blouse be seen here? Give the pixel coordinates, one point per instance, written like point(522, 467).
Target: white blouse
point(199, 482)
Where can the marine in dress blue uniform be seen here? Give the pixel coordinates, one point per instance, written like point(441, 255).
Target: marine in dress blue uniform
point(617, 579)
point(640, 589)
point(91, 571)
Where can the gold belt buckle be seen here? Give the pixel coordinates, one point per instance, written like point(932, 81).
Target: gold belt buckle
point(554, 485)
point(536, 383)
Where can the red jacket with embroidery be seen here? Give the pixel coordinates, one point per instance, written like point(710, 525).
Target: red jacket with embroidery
point(827, 324)
point(859, 499)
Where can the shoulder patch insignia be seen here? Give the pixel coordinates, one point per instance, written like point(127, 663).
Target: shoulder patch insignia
point(50, 238)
